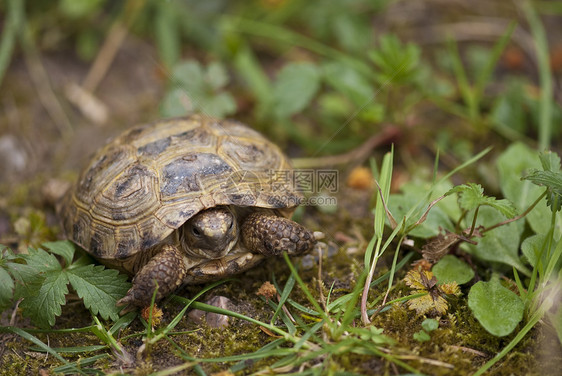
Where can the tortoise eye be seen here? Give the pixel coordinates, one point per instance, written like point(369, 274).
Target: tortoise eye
point(195, 231)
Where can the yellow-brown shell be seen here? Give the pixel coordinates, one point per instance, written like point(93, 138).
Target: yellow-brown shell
point(147, 182)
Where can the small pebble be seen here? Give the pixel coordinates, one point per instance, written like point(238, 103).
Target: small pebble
point(360, 178)
point(214, 320)
point(13, 157)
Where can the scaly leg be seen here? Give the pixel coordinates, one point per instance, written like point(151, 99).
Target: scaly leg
point(270, 235)
point(166, 269)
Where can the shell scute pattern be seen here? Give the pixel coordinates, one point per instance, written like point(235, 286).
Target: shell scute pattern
point(146, 183)
point(155, 147)
point(184, 175)
point(130, 195)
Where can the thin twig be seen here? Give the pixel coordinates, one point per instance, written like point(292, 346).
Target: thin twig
point(105, 57)
point(320, 283)
point(42, 84)
point(468, 350)
point(507, 221)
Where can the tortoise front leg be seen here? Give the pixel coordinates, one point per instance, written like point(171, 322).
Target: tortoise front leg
point(166, 269)
point(270, 235)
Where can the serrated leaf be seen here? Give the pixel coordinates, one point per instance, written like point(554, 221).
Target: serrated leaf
point(100, 289)
point(472, 196)
point(553, 182)
point(504, 206)
point(501, 244)
point(514, 163)
point(498, 309)
point(63, 248)
point(451, 269)
point(6, 289)
point(30, 275)
point(22, 271)
point(294, 88)
point(46, 305)
point(41, 261)
point(28, 279)
point(550, 161)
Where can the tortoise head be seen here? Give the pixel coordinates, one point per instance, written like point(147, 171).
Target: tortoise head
point(210, 234)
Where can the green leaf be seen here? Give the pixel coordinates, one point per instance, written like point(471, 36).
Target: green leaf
point(421, 336)
point(294, 88)
point(28, 279)
point(6, 289)
point(532, 249)
point(430, 325)
point(553, 182)
point(451, 269)
point(216, 75)
point(194, 88)
point(176, 103)
point(43, 307)
point(100, 289)
point(30, 276)
point(550, 161)
point(348, 81)
point(190, 75)
point(471, 196)
point(397, 62)
point(512, 165)
point(501, 244)
point(220, 105)
point(41, 261)
point(62, 248)
point(498, 309)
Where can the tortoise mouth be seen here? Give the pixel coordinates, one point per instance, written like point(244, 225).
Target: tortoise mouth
point(234, 263)
point(217, 252)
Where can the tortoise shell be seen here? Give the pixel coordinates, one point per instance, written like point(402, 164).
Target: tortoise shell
point(147, 182)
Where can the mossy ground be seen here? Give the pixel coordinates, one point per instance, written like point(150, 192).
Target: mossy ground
point(460, 344)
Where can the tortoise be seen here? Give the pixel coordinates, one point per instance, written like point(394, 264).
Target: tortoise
point(185, 201)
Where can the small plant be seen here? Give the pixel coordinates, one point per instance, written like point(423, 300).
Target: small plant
point(40, 280)
point(428, 325)
point(433, 294)
point(194, 88)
